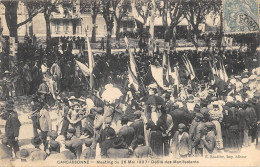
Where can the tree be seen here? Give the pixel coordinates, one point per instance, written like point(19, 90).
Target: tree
point(11, 17)
point(143, 8)
point(48, 7)
point(120, 8)
point(108, 15)
point(173, 9)
point(95, 9)
point(195, 12)
point(33, 8)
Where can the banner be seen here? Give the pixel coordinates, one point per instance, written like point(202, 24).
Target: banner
point(157, 73)
point(240, 16)
point(83, 68)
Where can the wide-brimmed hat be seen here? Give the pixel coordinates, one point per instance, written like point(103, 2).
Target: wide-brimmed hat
point(7, 72)
point(118, 143)
point(9, 107)
point(54, 145)
point(36, 141)
point(53, 133)
point(22, 154)
point(181, 126)
point(71, 130)
point(124, 118)
point(111, 132)
point(88, 142)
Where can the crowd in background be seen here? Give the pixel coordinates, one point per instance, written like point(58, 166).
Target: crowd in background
point(197, 120)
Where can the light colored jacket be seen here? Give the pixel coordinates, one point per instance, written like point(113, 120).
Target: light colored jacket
point(45, 120)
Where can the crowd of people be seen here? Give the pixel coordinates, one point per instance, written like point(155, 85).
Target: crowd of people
point(196, 119)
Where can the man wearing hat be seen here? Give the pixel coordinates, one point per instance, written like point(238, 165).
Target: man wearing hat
point(37, 106)
point(119, 149)
point(208, 139)
point(7, 87)
point(168, 103)
point(37, 154)
point(75, 118)
point(55, 152)
point(88, 152)
point(45, 124)
point(252, 120)
point(67, 154)
point(195, 134)
point(76, 143)
point(138, 125)
point(105, 145)
point(126, 132)
point(142, 151)
point(180, 142)
point(243, 124)
point(12, 127)
point(23, 154)
point(5, 150)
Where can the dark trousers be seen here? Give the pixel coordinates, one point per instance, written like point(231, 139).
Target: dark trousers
point(166, 145)
point(35, 126)
point(13, 144)
point(65, 127)
point(44, 139)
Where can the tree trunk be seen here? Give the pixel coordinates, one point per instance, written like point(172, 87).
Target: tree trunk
point(174, 36)
point(31, 29)
point(118, 30)
point(219, 41)
point(48, 28)
point(93, 37)
point(109, 32)
point(11, 18)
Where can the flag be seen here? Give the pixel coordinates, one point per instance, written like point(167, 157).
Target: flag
point(213, 70)
point(177, 78)
point(83, 68)
point(189, 67)
point(132, 79)
point(225, 76)
point(157, 73)
point(91, 64)
point(133, 65)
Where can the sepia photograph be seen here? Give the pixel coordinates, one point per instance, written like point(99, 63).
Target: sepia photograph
point(109, 83)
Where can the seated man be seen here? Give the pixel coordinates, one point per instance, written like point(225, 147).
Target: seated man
point(37, 154)
point(119, 149)
point(88, 153)
point(141, 150)
point(76, 143)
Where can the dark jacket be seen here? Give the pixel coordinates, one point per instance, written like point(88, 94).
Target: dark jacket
point(107, 144)
point(243, 119)
point(12, 126)
point(127, 134)
point(138, 126)
point(180, 146)
point(88, 153)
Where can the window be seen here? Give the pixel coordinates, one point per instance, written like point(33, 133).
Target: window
point(57, 27)
point(74, 9)
point(66, 26)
